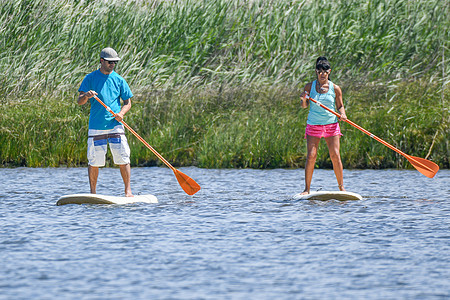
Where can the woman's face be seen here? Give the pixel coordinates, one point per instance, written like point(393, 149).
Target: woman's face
point(323, 74)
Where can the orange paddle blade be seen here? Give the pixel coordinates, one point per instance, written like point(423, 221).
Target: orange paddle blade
point(187, 183)
point(424, 166)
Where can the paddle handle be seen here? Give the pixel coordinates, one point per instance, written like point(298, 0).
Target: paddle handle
point(369, 134)
point(137, 135)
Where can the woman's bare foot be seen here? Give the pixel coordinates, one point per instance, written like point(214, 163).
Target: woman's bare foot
point(305, 192)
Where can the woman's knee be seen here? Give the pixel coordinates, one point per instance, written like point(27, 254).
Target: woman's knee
point(335, 155)
point(312, 155)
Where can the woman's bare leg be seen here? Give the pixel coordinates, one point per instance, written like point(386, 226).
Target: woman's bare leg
point(312, 143)
point(333, 143)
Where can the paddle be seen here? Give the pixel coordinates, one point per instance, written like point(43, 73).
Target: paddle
point(187, 184)
point(424, 166)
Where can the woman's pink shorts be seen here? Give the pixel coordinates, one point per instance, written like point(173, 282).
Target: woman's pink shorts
point(323, 130)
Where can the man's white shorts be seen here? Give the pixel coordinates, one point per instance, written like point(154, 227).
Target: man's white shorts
point(98, 145)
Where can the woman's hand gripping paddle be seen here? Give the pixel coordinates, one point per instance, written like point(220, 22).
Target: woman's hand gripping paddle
point(187, 184)
point(424, 166)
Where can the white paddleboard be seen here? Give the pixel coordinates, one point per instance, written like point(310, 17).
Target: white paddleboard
point(103, 199)
point(328, 195)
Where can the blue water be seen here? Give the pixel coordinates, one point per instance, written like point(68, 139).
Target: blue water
point(240, 237)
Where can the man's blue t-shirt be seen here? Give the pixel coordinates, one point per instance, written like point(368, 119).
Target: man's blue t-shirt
point(110, 88)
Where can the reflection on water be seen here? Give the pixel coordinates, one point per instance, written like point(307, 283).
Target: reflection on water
point(239, 237)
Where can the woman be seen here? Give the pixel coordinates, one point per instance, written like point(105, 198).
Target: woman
point(322, 123)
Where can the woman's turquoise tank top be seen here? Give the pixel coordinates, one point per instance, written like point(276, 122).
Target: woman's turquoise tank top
point(318, 115)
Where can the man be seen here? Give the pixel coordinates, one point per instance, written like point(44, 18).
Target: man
point(110, 87)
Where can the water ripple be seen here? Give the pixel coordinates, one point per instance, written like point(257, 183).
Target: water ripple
point(240, 237)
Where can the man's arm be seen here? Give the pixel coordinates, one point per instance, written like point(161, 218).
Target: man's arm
point(125, 108)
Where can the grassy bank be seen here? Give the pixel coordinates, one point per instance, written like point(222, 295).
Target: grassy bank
point(216, 82)
point(237, 128)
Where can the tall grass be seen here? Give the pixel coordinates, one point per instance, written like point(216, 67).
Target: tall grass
point(216, 82)
point(238, 128)
point(33, 134)
point(46, 47)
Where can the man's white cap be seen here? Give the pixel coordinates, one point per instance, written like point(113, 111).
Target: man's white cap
point(109, 54)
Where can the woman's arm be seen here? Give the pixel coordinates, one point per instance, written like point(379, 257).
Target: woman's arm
point(339, 102)
point(307, 90)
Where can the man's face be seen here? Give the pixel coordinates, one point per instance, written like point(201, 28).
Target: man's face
point(108, 65)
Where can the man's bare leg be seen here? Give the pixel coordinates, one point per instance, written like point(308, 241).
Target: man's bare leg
point(93, 176)
point(125, 171)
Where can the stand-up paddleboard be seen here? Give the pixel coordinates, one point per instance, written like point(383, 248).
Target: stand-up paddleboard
point(328, 195)
point(103, 199)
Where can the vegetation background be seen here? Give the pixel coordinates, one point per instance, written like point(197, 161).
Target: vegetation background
point(216, 82)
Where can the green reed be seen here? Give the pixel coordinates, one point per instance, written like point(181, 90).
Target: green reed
point(216, 82)
point(47, 47)
point(236, 128)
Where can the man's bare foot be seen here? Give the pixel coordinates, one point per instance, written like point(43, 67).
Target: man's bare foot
point(341, 188)
point(305, 192)
point(129, 194)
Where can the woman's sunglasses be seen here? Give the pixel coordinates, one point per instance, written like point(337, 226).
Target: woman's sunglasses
point(323, 71)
